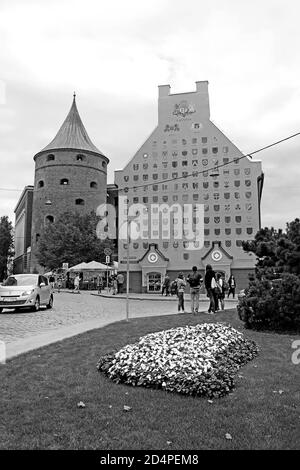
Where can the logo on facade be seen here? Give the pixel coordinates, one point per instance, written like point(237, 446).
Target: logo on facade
point(183, 109)
point(216, 255)
point(152, 258)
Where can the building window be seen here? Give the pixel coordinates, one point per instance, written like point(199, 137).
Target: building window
point(49, 218)
point(50, 157)
point(37, 237)
point(79, 202)
point(41, 184)
point(81, 157)
point(93, 185)
point(104, 164)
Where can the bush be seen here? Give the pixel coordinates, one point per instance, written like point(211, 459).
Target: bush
point(192, 360)
point(272, 304)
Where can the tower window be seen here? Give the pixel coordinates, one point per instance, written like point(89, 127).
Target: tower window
point(50, 219)
point(80, 157)
point(50, 157)
point(104, 164)
point(41, 184)
point(79, 202)
point(93, 185)
point(64, 181)
point(37, 237)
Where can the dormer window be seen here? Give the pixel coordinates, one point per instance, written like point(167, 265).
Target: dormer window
point(50, 157)
point(79, 202)
point(41, 184)
point(64, 181)
point(80, 157)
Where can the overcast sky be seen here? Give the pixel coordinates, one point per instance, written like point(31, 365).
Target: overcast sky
point(114, 54)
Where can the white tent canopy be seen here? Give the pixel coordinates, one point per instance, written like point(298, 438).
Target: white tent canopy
point(91, 266)
point(78, 267)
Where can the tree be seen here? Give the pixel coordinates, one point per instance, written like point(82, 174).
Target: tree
point(71, 239)
point(277, 251)
point(6, 245)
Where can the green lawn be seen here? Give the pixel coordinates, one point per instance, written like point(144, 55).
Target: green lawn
point(40, 391)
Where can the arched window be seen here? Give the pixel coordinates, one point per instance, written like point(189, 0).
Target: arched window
point(49, 218)
point(79, 202)
point(80, 157)
point(50, 157)
point(94, 185)
point(104, 164)
point(64, 181)
point(37, 237)
point(41, 184)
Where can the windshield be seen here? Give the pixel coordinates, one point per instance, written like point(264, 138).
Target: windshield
point(21, 280)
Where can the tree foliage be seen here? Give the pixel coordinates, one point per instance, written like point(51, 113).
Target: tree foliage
point(71, 239)
point(6, 245)
point(277, 251)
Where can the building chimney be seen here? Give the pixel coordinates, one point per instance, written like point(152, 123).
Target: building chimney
point(163, 90)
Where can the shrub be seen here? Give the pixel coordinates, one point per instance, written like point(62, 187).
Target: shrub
point(191, 360)
point(272, 304)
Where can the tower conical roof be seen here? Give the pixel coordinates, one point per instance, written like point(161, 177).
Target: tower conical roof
point(72, 134)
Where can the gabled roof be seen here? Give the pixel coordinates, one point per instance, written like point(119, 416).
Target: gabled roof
point(213, 247)
point(151, 245)
point(72, 134)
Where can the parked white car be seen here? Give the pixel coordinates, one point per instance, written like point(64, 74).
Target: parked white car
point(26, 291)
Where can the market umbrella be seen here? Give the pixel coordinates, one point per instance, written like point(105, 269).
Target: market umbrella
point(78, 267)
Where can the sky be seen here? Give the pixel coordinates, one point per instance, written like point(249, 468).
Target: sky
point(115, 54)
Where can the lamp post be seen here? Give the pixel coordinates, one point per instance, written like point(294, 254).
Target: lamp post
point(127, 270)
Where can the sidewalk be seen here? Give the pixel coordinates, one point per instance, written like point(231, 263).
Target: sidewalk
point(158, 297)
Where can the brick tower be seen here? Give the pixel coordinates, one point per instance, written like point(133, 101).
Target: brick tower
point(70, 175)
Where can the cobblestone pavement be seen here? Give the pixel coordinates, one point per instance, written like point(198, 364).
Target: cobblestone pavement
point(70, 309)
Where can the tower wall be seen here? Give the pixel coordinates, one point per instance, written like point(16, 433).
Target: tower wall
point(80, 173)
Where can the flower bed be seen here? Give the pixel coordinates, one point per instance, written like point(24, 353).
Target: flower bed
point(195, 360)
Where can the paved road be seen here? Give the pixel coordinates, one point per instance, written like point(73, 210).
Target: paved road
point(73, 309)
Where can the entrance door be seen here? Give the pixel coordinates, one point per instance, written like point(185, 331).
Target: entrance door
point(154, 282)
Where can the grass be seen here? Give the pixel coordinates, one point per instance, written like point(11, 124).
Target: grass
point(41, 389)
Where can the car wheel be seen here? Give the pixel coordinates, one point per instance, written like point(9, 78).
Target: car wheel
point(37, 305)
point(50, 304)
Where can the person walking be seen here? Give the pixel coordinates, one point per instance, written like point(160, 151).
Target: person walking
point(181, 285)
point(76, 284)
point(99, 284)
point(231, 286)
point(221, 290)
point(59, 284)
point(52, 281)
point(114, 285)
point(120, 281)
point(210, 284)
point(194, 280)
point(166, 286)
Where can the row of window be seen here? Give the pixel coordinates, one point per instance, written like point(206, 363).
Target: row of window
point(179, 244)
point(194, 140)
point(79, 158)
point(66, 182)
point(184, 163)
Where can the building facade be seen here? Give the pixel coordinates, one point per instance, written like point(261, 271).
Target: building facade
point(188, 161)
point(23, 224)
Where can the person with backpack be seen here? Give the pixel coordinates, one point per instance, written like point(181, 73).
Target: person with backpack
point(181, 285)
point(194, 280)
point(166, 286)
point(231, 286)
